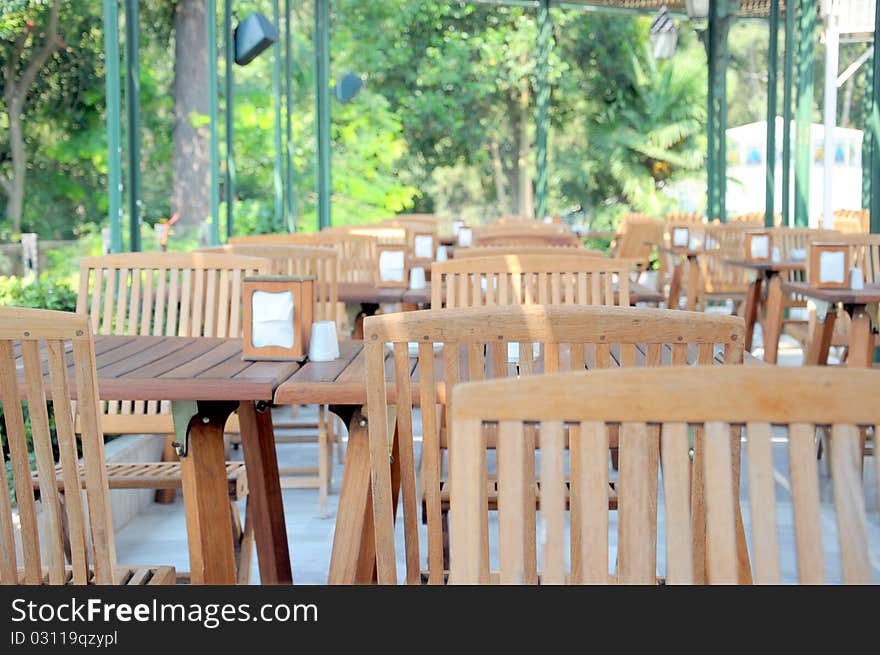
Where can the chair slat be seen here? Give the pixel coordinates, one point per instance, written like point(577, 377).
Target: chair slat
point(637, 562)
point(512, 458)
point(849, 501)
point(404, 438)
point(762, 498)
point(676, 492)
point(53, 537)
point(589, 502)
point(431, 461)
point(468, 500)
point(720, 519)
point(805, 498)
point(553, 502)
point(76, 518)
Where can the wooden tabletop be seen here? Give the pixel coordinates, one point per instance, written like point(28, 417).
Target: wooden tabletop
point(870, 295)
point(763, 266)
point(182, 368)
point(361, 292)
point(343, 382)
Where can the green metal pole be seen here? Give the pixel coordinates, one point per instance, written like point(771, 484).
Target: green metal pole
point(711, 137)
point(545, 34)
point(230, 117)
point(322, 113)
point(804, 113)
point(133, 122)
point(772, 56)
point(787, 79)
point(114, 136)
point(211, 10)
point(725, 19)
point(874, 127)
point(867, 141)
point(288, 103)
point(276, 97)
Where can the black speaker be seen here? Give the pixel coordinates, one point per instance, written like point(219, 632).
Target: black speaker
point(253, 35)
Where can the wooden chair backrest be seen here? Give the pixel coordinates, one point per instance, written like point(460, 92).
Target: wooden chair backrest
point(683, 217)
point(519, 251)
point(797, 238)
point(852, 221)
point(48, 527)
point(162, 294)
point(322, 262)
point(637, 237)
point(752, 218)
point(864, 254)
point(357, 252)
point(727, 403)
point(722, 242)
point(475, 347)
point(386, 234)
point(529, 280)
point(182, 294)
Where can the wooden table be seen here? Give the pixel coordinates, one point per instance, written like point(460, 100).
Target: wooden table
point(862, 329)
point(692, 257)
point(206, 380)
point(341, 384)
point(765, 298)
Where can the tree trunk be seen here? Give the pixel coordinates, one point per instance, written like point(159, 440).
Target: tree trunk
point(524, 190)
point(498, 168)
point(15, 186)
point(15, 92)
point(191, 195)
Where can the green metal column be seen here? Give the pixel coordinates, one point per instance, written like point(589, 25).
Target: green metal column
point(772, 56)
point(787, 80)
point(322, 113)
point(867, 141)
point(276, 98)
point(211, 11)
point(288, 103)
point(545, 35)
point(804, 112)
point(720, 17)
point(114, 136)
point(133, 122)
point(229, 185)
point(874, 127)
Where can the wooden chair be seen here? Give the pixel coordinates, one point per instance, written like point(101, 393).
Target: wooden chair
point(535, 233)
point(54, 538)
point(519, 251)
point(530, 279)
point(852, 221)
point(636, 239)
point(726, 402)
point(322, 263)
point(720, 280)
point(183, 294)
point(357, 254)
point(476, 346)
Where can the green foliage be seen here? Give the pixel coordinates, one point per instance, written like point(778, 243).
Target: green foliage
point(42, 293)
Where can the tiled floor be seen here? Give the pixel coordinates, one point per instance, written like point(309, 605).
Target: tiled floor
point(158, 535)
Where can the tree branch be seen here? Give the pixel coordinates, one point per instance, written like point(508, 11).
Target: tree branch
point(50, 45)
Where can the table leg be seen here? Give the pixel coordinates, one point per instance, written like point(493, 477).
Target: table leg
point(205, 494)
point(820, 339)
point(264, 488)
point(674, 286)
point(773, 321)
point(693, 283)
point(753, 299)
point(861, 339)
point(367, 309)
point(353, 547)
